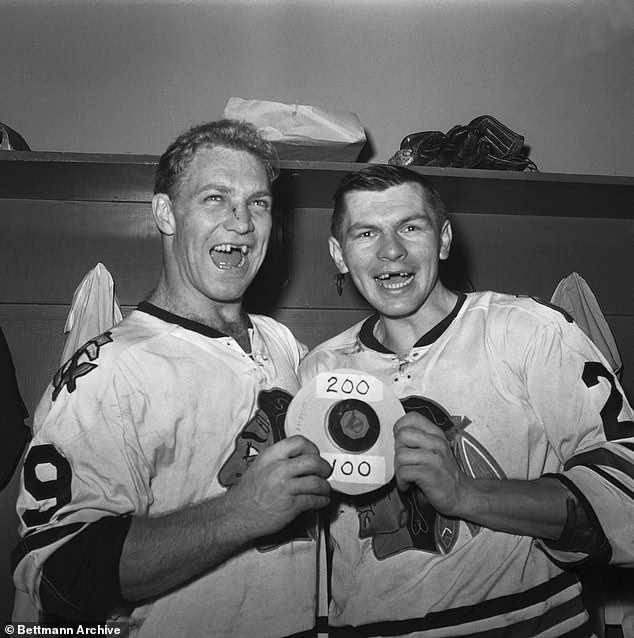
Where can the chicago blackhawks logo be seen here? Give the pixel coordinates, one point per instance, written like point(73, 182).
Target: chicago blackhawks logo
point(264, 429)
point(398, 521)
point(68, 374)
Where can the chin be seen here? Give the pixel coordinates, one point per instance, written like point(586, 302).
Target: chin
point(396, 311)
point(226, 295)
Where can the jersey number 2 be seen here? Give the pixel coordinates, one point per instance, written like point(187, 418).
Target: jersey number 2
point(613, 428)
point(57, 488)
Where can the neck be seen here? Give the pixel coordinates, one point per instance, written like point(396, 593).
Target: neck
point(399, 334)
point(229, 318)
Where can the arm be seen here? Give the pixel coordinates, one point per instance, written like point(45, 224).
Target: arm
point(424, 458)
point(590, 425)
point(90, 568)
point(164, 552)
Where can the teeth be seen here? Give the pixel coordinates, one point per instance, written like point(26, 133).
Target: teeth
point(229, 256)
point(389, 275)
point(227, 248)
point(390, 281)
point(397, 285)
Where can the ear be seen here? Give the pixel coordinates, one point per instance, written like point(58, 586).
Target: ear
point(445, 240)
point(337, 255)
point(163, 213)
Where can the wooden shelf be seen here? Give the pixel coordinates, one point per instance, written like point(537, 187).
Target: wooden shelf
point(129, 178)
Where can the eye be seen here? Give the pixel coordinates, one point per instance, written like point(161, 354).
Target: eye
point(250, 453)
point(264, 204)
point(213, 197)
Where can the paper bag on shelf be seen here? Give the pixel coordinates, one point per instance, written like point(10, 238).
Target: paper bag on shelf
point(301, 132)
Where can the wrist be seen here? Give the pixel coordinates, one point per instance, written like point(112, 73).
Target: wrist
point(232, 520)
point(470, 498)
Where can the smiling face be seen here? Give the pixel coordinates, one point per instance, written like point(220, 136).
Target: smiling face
point(216, 229)
point(391, 246)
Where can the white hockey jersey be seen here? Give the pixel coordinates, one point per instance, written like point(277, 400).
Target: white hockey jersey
point(520, 392)
point(154, 415)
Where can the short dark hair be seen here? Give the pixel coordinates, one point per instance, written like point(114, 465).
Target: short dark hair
point(380, 177)
point(234, 134)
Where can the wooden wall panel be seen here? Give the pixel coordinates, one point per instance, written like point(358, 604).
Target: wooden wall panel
point(35, 335)
point(51, 245)
point(48, 247)
point(312, 327)
point(530, 255)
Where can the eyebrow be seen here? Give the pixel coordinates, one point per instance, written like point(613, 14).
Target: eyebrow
point(226, 189)
point(408, 220)
point(213, 186)
point(262, 193)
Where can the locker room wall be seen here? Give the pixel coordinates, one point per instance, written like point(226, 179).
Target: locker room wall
point(119, 76)
point(59, 218)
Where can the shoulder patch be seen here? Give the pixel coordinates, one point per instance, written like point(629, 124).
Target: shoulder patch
point(68, 374)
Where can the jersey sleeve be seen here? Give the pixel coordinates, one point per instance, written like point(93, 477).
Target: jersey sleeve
point(590, 425)
point(82, 466)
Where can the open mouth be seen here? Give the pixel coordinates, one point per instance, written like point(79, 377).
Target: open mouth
point(394, 280)
point(228, 256)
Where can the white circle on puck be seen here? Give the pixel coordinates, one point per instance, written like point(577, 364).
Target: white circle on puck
point(349, 415)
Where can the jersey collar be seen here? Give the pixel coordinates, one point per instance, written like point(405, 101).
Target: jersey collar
point(367, 338)
point(188, 324)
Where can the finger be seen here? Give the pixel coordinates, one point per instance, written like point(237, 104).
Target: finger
point(407, 475)
point(292, 446)
point(426, 471)
point(307, 464)
point(413, 419)
point(413, 436)
point(415, 456)
point(309, 486)
point(402, 483)
point(412, 430)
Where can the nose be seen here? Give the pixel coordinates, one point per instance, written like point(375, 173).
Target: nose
point(391, 248)
point(239, 218)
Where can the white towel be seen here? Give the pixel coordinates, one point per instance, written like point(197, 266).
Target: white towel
point(575, 297)
point(93, 310)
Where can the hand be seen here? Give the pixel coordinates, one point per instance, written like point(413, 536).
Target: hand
point(423, 457)
point(285, 480)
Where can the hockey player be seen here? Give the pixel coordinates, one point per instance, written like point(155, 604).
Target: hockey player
point(514, 461)
point(159, 489)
